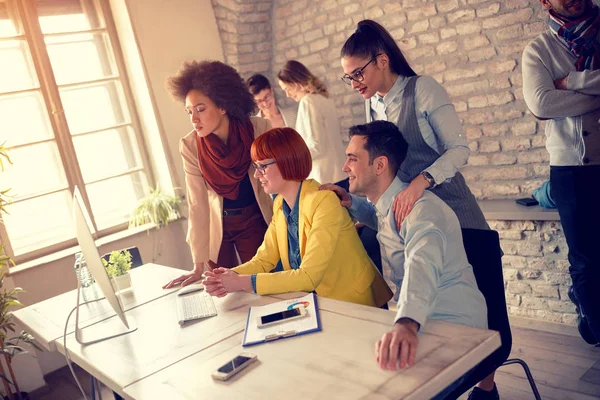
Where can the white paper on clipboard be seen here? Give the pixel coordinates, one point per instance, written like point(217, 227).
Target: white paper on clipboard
point(310, 323)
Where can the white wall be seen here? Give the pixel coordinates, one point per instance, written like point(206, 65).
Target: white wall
point(167, 34)
point(156, 37)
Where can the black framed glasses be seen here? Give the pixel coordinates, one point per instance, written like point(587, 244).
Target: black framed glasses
point(265, 99)
point(358, 74)
point(262, 168)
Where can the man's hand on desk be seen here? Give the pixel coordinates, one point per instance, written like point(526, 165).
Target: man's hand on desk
point(398, 348)
point(221, 281)
point(186, 279)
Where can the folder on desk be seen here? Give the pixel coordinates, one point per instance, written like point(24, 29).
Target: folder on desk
point(308, 324)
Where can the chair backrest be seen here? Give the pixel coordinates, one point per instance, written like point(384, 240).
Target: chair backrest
point(136, 257)
point(485, 255)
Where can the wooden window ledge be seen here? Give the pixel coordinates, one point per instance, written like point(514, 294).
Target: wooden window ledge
point(508, 210)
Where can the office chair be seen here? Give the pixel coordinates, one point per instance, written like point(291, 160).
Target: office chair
point(136, 257)
point(485, 255)
point(136, 261)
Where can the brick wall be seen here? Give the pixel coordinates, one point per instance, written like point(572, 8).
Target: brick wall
point(472, 47)
point(536, 271)
point(245, 30)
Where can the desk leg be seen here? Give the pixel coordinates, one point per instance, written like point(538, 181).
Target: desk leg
point(93, 384)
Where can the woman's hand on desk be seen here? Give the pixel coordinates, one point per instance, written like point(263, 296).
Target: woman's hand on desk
point(186, 279)
point(398, 348)
point(221, 281)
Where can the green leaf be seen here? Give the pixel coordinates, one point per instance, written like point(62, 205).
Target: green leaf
point(157, 207)
point(3, 154)
point(119, 263)
point(8, 298)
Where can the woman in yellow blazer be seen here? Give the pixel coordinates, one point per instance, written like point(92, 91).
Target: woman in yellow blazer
point(310, 233)
point(228, 213)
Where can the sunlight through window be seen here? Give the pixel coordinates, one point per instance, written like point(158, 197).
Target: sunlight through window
point(90, 140)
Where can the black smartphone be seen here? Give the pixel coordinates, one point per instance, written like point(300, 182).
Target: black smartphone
point(234, 366)
point(527, 201)
point(282, 316)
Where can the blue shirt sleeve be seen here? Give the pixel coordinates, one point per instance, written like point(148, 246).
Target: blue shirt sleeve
point(253, 282)
point(364, 211)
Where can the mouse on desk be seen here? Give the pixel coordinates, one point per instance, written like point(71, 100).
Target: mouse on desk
point(194, 287)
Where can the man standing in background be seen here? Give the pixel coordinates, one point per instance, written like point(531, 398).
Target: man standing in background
point(264, 96)
point(561, 84)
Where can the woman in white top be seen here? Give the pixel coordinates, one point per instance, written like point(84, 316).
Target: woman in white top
point(317, 121)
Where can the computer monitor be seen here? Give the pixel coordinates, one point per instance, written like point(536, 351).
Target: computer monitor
point(97, 332)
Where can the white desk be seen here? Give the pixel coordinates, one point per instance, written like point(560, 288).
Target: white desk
point(163, 360)
point(159, 342)
point(46, 319)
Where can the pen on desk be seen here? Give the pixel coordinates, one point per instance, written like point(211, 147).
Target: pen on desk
point(278, 335)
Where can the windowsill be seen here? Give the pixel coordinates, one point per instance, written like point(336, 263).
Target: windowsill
point(72, 250)
point(508, 210)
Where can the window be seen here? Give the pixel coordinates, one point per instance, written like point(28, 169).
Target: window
point(67, 116)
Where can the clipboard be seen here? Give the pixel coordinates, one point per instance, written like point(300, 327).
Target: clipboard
point(311, 323)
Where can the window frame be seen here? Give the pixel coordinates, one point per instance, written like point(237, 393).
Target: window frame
point(27, 17)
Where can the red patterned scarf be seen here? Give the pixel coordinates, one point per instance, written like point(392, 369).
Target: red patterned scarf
point(225, 165)
point(580, 36)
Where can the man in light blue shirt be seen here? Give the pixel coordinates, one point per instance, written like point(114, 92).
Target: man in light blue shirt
point(425, 259)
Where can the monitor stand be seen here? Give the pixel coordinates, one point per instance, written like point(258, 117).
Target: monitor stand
point(104, 329)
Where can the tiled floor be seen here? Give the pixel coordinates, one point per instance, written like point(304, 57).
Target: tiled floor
point(564, 367)
point(62, 386)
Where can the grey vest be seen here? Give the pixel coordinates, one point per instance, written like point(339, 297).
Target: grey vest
point(420, 156)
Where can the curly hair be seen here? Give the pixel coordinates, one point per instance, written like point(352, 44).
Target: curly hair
point(295, 72)
point(220, 82)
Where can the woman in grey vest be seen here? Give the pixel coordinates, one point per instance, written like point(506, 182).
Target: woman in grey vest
point(376, 68)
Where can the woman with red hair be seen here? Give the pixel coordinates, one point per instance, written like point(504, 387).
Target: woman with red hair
point(310, 233)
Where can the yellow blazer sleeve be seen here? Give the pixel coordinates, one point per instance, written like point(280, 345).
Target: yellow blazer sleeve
point(322, 231)
point(198, 235)
point(266, 257)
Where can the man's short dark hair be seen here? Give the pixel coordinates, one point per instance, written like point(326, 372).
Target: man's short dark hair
point(257, 83)
point(383, 138)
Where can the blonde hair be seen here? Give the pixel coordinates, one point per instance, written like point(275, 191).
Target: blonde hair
point(295, 72)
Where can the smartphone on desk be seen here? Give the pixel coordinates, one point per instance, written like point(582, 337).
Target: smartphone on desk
point(281, 316)
point(527, 201)
point(234, 366)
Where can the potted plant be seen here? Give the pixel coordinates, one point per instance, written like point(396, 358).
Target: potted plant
point(117, 267)
point(157, 207)
point(10, 345)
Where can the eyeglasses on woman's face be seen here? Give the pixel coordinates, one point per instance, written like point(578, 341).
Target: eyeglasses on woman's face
point(357, 75)
point(261, 168)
